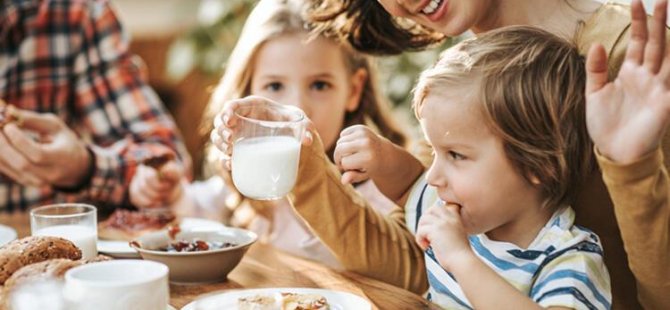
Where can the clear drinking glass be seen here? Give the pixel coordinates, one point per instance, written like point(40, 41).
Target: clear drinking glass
point(266, 149)
point(72, 221)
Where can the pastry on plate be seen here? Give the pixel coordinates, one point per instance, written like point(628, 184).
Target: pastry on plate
point(128, 225)
point(293, 301)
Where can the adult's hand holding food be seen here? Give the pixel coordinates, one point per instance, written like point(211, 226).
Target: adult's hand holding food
point(43, 151)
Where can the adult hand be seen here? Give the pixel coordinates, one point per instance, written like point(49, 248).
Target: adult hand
point(628, 117)
point(43, 151)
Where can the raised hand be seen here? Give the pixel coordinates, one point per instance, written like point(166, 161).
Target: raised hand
point(628, 117)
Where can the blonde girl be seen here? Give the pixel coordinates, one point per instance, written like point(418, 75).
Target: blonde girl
point(276, 58)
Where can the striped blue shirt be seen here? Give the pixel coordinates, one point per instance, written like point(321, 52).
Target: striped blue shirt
point(563, 266)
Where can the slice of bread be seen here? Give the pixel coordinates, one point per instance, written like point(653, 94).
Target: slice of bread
point(34, 249)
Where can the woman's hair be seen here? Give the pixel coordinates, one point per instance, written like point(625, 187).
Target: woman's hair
point(530, 87)
point(273, 18)
point(367, 26)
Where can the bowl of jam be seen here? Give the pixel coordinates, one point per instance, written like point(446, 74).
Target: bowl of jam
point(196, 255)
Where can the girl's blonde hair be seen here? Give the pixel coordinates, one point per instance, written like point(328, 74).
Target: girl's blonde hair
point(530, 87)
point(273, 18)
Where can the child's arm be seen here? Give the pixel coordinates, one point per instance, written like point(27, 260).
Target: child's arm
point(627, 120)
point(361, 154)
point(440, 228)
point(376, 246)
point(363, 240)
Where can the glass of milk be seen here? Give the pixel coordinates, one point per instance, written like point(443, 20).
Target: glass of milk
point(266, 149)
point(72, 221)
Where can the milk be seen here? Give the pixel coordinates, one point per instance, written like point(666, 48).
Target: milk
point(265, 167)
point(83, 237)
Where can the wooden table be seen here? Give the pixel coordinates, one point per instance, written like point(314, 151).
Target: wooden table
point(264, 266)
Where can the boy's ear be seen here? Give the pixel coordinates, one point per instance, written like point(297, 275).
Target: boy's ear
point(358, 81)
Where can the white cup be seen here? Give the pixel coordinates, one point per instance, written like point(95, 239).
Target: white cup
point(117, 285)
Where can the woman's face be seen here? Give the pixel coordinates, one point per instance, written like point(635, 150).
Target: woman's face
point(450, 17)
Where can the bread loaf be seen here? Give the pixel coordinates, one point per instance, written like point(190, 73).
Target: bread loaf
point(49, 269)
point(34, 249)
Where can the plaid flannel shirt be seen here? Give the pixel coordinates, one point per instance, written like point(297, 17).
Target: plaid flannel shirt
point(70, 58)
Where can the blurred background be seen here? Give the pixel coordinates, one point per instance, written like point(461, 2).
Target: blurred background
point(185, 43)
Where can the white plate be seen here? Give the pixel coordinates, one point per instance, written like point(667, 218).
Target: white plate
point(171, 308)
point(121, 249)
point(7, 234)
point(118, 249)
point(228, 300)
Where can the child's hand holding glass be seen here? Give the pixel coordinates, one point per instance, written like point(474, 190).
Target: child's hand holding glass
point(441, 229)
point(260, 140)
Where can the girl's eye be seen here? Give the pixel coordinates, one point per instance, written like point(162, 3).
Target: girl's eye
point(456, 156)
point(274, 86)
point(320, 85)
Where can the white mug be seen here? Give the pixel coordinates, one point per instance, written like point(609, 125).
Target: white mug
point(117, 285)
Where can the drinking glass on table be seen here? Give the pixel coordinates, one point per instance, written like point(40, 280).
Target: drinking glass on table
point(266, 149)
point(72, 221)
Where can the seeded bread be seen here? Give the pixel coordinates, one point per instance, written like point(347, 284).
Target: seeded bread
point(34, 249)
point(49, 269)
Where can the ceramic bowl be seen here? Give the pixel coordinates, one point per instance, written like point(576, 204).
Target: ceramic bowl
point(197, 267)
